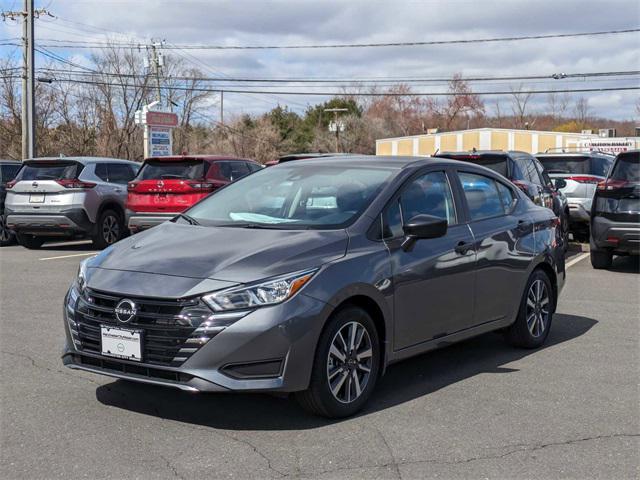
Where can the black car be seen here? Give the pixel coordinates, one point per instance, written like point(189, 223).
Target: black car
point(313, 276)
point(528, 174)
point(8, 171)
point(615, 214)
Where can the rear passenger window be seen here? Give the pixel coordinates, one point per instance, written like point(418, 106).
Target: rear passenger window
point(483, 198)
point(120, 173)
point(238, 170)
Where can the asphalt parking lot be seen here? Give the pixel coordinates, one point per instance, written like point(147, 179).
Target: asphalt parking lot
point(475, 410)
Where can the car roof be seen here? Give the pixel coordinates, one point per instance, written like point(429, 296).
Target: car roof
point(10, 162)
point(471, 153)
point(178, 158)
point(594, 153)
point(388, 161)
point(83, 160)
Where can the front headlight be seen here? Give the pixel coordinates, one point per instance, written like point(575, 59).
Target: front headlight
point(268, 292)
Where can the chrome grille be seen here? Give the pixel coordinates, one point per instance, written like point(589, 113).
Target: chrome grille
point(171, 332)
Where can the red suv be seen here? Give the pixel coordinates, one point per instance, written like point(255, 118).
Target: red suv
point(166, 186)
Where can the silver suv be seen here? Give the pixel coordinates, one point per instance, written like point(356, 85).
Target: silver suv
point(577, 174)
point(69, 197)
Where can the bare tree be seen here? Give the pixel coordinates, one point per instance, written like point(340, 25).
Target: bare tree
point(557, 105)
point(520, 107)
point(582, 112)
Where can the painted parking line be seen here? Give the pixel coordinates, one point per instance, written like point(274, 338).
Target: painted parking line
point(69, 256)
point(576, 259)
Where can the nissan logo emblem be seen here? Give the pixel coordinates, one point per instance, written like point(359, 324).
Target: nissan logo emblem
point(34, 184)
point(160, 184)
point(125, 310)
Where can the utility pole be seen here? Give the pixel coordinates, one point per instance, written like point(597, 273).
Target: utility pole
point(336, 125)
point(158, 62)
point(28, 115)
point(222, 107)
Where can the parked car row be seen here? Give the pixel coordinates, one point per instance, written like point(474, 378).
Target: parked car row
point(105, 198)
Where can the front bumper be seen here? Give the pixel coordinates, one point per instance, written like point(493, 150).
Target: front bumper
point(270, 349)
point(63, 223)
point(618, 237)
point(141, 221)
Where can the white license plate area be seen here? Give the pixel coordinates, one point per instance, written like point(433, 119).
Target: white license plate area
point(36, 198)
point(121, 343)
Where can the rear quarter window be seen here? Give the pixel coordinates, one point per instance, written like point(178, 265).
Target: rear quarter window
point(8, 172)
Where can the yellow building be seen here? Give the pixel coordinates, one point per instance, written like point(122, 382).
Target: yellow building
point(531, 141)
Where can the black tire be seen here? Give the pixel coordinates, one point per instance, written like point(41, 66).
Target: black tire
point(30, 241)
point(109, 229)
point(530, 331)
point(7, 237)
point(601, 259)
point(318, 398)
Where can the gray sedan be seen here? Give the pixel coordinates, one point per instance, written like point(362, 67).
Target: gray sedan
point(312, 277)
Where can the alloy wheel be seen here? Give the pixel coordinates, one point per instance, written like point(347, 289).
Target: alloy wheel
point(537, 308)
point(110, 229)
point(349, 362)
point(4, 231)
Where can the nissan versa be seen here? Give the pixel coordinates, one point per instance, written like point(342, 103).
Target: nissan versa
point(311, 277)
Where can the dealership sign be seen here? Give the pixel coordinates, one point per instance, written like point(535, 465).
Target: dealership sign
point(158, 126)
point(612, 145)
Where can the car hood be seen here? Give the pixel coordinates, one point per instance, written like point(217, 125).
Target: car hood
point(225, 254)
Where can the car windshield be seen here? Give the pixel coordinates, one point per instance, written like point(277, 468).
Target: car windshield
point(167, 170)
point(627, 167)
point(294, 196)
point(49, 171)
point(576, 165)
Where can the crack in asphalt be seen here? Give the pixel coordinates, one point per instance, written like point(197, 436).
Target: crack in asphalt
point(35, 364)
point(172, 467)
point(521, 448)
point(393, 462)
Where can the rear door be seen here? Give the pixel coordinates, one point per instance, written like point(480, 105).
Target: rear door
point(44, 186)
point(503, 246)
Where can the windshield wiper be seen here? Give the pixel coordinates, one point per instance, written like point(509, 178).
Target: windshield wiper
point(187, 218)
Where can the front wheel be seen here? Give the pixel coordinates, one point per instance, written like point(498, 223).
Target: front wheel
point(346, 365)
point(533, 322)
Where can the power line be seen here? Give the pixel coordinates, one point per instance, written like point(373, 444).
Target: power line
point(97, 44)
point(357, 81)
point(361, 94)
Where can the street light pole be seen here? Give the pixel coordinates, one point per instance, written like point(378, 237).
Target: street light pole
point(335, 123)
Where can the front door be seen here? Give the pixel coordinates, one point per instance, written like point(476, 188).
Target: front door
point(434, 280)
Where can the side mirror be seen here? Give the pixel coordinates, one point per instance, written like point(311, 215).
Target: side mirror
point(560, 183)
point(423, 226)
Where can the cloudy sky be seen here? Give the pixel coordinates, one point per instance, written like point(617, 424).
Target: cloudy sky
point(304, 22)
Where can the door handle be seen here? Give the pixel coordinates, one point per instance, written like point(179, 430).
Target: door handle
point(117, 190)
point(463, 247)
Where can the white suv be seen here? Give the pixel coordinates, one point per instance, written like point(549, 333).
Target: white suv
point(69, 197)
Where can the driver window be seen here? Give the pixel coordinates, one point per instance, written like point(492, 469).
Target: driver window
point(428, 194)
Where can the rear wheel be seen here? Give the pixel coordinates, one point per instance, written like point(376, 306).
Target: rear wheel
point(532, 325)
point(109, 229)
point(30, 241)
point(346, 364)
point(7, 237)
point(601, 259)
